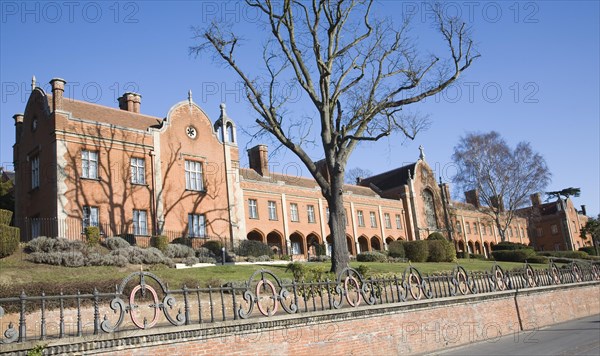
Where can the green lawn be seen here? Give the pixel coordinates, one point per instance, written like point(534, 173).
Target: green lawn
point(16, 274)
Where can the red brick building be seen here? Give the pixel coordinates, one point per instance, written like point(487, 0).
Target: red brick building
point(80, 164)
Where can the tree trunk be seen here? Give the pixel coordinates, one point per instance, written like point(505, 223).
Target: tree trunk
point(501, 232)
point(337, 225)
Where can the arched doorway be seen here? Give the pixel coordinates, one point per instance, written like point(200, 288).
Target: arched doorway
point(486, 247)
point(375, 243)
point(470, 245)
point(312, 242)
point(297, 242)
point(350, 243)
point(275, 242)
point(389, 240)
point(461, 246)
point(363, 244)
point(256, 235)
point(477, 248)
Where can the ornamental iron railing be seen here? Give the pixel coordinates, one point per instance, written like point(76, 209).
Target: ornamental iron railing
point(143, 301)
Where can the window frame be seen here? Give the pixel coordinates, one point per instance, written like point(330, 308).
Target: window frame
point(272, 209)
point(373, 219)
point(361, 218)
point(398, 222)
point(86, 157)
point(35, 171)
point(196, 225)
point(294, 215)
point(88, 213)
point(135, 167)
point(193, 169)
point(253, 208)
point(310, 212)
point(138, 228)
point(388, 220)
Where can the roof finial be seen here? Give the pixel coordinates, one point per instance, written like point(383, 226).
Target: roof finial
point(422, 153)
point(190, 96)
point(33, 82)
point(223, 113)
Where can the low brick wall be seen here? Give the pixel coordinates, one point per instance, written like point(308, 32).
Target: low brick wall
point(409, 327)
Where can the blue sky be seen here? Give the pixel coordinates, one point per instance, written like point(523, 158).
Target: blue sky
point(538, 78)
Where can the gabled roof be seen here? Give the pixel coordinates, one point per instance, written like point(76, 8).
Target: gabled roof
point(303, 182)
point(390, 179)
point(112, 116)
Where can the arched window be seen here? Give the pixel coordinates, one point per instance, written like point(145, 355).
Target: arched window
point(230, 133)
point(429, 209)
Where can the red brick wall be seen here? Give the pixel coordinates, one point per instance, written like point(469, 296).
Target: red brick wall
point(411, 327)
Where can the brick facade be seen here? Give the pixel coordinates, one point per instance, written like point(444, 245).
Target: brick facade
point(180, 175)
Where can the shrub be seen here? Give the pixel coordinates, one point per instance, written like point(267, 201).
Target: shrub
point(5, 216)
point(9, 240)
point(73, 259)
point(416, 251)
point(263, 258)
point(206, 259)
point(298, 270)
point(92, 235)
point(179, 251)
point(505, 245)
point(186, 241)
point(58, 258)
point(478, 256)
point(590, 250)
point(440, 250)
point(190, 261)
point(538, 259)
point(436, 236)
point(160, 242)
point(363, 270)
point(254, 248)
point(519, 255)
point(136, 255)
point(204, 252)
point(396, 249)
point(48, 244)
point(321, 250)
point(371, 256)
point(115, 243)
point(214, 246)
point(321, 258)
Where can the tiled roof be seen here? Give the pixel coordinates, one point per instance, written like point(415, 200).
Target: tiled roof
point(390, 179)
point(113, 116)
point(303, 182)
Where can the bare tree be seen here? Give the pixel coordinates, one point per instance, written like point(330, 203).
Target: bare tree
point(358, 72)
point(355, 174)
point(504, 178)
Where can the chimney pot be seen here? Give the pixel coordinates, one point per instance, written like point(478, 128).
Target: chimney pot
point(536, 199)
point(258, 156)
point(472, 197)
point(130, 102)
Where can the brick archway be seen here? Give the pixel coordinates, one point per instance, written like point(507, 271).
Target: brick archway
point(275, 242)
point(256, 235)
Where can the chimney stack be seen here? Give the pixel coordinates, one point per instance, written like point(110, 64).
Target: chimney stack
point(536, 199)
point(583, 211)
point(259, 159)
point(498, 203)
point(18, 126)
point(58, 91)
point(130, 102)
point(472, 197)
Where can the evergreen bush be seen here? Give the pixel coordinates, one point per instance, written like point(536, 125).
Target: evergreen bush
point(115, 242)
point(254, 248)
point(92, 235)
point(416, 251)
point(160, 242)
point(396, 249)
point(371, 256)
point(9, 240)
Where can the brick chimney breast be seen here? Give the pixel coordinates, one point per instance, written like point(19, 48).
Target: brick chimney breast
point(472, 197)
point(258, 156)
point(536, 199)
point(58, 91)
point(130, 102)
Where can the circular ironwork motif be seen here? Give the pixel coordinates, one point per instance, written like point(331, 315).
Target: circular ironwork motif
point(555, 275)
point(461, 282)
point(529, 275)
point(271, 309)
point(155, 306)
point(595, 272)
point(352, 282)
point(499, 276)
point(576, 273)
point(414, 286)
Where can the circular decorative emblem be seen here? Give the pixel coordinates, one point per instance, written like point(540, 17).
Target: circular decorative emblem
point(191, 131)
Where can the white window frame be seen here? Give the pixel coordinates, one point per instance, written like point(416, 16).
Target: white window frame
point(398, 222)
point(388, 220)
point(89, 164)
point(196, 225)
point(272, 207)
point(90, 216)
point(310, 211)
point(194, 179)
point(140, 222)
point(373, 219)
point(294, 216)
point(252, 209)
point(138, 170)
point(361, 218)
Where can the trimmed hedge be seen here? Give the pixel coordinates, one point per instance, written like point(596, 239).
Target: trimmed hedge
point(538, 259)
point(9, 240)
point(214, 246)
point(92, 235)
point(160, 242)
point(513, 255)
point(182, 241)
point(590, 250)
point(371, 256)
point(416, 251)
point(396, 249)
point(254, 248)
point(5, 216)
point(436, 236)
point(440, 250)
point(115, 243)
point(505, 245)
point(566, 254)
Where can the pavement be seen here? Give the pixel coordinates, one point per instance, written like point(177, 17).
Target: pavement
point(575, 337)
